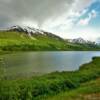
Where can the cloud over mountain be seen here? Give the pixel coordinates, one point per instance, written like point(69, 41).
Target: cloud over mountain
point(59, 16)
point(36, 11)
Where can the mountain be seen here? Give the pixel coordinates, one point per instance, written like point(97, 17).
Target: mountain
point(25, 29)
point(31, 32)
point(22, 38)
point(98, 40)
point(77, 40)
point(81, 41)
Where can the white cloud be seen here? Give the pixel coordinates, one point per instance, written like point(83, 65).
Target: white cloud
point(85, 33)
point(86, 20)
point(57, 16)
point(93, 13)
point(67, 20)
point(77, 13)
point(64, 22)
point(79, 5)
point(65, 26)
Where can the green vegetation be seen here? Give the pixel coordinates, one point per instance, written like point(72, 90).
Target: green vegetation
point(19, 41)
point(1, 70)
point(87, 91)
point(42, 87)
point(38, 88)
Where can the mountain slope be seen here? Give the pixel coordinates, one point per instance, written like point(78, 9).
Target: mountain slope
point(32, 32)
point(81, 41)
point(19, 38)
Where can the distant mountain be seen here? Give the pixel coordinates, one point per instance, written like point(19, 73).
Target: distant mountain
point(77, 40)
point(81, 41)
point(98, 40)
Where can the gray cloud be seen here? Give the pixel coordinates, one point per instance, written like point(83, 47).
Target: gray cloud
point(15, 11)
point(56, 16)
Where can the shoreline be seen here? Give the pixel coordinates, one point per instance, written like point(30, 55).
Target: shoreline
point(50, 84)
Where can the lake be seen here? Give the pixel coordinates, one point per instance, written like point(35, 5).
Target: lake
point(37, 63)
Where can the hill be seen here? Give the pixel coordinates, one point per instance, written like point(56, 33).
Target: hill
point(19, 38)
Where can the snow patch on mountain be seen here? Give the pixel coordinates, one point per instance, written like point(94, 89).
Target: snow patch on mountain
point(26, 29)
point(81, 41)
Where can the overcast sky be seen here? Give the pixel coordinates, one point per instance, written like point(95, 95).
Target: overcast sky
point(66, 18)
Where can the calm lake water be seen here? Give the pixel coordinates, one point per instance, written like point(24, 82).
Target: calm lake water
point(29, 63)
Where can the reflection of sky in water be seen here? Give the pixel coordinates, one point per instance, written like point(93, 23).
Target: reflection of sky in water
point(44, 62)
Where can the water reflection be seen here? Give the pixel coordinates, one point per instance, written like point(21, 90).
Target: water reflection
point(45, 62)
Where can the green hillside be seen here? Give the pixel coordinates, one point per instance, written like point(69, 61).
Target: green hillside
point(87, 91)
point(21, 41)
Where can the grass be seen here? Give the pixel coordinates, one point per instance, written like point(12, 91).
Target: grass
point(15, 41)
point(39, 87)
point(87, 91)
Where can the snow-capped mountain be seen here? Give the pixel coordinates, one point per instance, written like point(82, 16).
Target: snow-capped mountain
point(25, 29)
point(77, 40)
point(32, 31)
point(81, 41)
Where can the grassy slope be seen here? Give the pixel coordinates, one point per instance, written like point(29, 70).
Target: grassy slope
point(14, 41)
point(87, 91)
point(38, 88)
